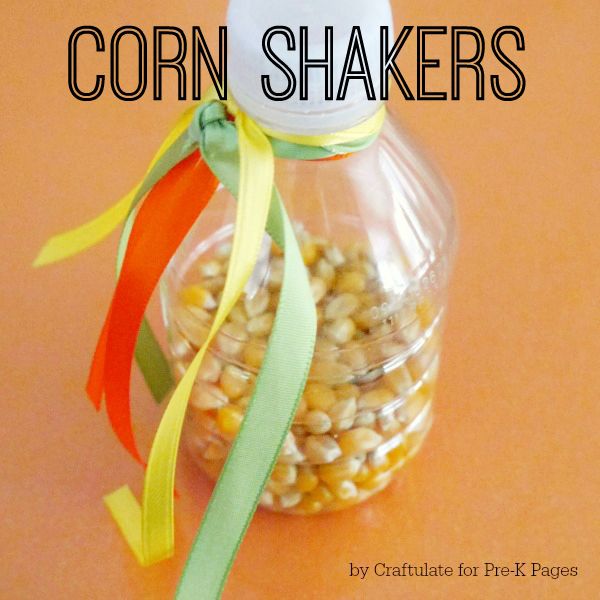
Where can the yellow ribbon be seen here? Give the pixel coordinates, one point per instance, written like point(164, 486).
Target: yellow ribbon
point(74, 241)
point(151, 536)
point(363, 130)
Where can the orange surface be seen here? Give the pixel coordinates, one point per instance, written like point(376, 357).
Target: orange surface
point(510, 471)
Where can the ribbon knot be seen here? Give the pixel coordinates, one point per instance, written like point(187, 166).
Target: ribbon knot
point(205, 115)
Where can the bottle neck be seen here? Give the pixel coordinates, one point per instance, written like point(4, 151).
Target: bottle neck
point(323, 118)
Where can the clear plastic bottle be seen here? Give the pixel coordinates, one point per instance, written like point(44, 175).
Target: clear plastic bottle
point(377, 233)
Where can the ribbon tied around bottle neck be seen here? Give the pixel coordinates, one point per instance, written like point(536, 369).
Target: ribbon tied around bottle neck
point(211, 143)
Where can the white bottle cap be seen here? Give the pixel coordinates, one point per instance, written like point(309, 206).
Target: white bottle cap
point(247, 22)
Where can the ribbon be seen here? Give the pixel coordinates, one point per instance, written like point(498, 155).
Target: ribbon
point(75, 241)
point(149, 356)
point(162, 222)
point(276, 394)
point(240, 155)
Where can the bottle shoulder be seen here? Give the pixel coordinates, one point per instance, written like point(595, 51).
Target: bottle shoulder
point(388, 195)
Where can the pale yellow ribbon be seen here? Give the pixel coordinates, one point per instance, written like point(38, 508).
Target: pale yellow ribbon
point(74, 241)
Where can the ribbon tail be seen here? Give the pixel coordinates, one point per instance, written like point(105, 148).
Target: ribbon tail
point(157, 523)
point(149, 356)
point(165, 217)
point(153, 363)
point(75, 241)
point(95, 383)
point(125, 510)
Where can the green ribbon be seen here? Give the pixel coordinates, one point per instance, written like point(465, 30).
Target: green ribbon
point(280, 382)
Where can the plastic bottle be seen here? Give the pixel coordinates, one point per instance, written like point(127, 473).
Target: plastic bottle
point(377, 231)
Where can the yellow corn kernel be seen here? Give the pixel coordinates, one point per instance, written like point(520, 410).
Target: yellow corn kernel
point(339, 471)
point(322, 494)
point(254, 354)
point(347, 390)
point(356, 250)
point(278, 488)
point(331, 371)
point(261, 325)
point(335, 256)
point(345, 490)
point(306, 480)
point(212, 268)
point(397, 457)
point(342, 414)
point(229, 419)
point(318, 289)
point(285, 474)
point(341, 330)
point(398, 380)
point(325, 271)
point(375, 398)
point(363, 474)
point(231, 338)
point(341, 306)
point(206, 396)
point(214, 284)
point(426, 312)
point(234, 382)
point(356, 441)
point(267, 499)
point(196, 295)
point(414, 404)
point(321, 449)
point(243, 402)
point(215, 451)
point(238, 315)
point(276, 273)
point(193, 323)
point(309, 506)
point(379, 463)
point(366, 318)
point(377, 481)
point(257, 304)
point(365, 419)
point(317, 421)
point(290, 499)
point(355, 356)
point(351, 281)
point(310, 253)
point(319, 396)
point(368, 300)
point(210, 369)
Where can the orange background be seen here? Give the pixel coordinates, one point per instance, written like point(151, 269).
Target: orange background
point(510, 470)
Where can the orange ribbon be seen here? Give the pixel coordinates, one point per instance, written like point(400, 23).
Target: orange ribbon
point(162, 222)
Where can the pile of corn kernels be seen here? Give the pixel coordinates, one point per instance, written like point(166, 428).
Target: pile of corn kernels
point(367, 405)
